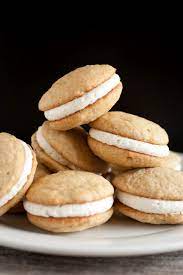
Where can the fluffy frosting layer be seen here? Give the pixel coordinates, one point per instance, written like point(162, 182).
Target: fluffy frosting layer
point(151, 206)
point(23, 178)
point(69, 210)
point(130, 144)
point(83, 101)
point(50, 151)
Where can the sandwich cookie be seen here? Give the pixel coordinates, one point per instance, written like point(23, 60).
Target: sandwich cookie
point(41, 171)
point(63, 150)
point(81, 96)
point(128, 140)
point(17, 168)
point(69, 201)
point(151, 195)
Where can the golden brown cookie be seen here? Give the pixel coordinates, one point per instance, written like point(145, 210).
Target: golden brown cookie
point(128, 141)
point(81, 96)
point(151, 195)
point(17, 168)
point(69, 201)
point(131, 126)
point(59, 225)
point(148, 217)
point(63, 150)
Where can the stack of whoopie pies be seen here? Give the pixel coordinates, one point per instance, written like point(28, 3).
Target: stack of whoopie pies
point(70, 189)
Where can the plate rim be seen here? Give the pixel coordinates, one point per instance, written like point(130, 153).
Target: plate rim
point(156, 246)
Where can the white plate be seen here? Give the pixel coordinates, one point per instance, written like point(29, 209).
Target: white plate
point(121, 236)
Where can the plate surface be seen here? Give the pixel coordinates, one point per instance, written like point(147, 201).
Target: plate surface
point(121, 236)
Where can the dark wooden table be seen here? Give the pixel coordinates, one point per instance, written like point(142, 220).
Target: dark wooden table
point(18, 262)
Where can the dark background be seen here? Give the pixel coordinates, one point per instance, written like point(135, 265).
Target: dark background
point(149, 63)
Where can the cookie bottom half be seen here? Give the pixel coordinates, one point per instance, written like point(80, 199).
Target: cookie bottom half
point(73, 224)
point(148, 218)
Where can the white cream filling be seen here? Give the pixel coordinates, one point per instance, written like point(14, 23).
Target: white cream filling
point(23, 178)
point(50, 151)
point(151, 206)
point(130, 144)
point(69, 210)
point(83, 101)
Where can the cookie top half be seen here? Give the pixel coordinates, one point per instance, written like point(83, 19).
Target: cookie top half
point(12, 160)
point(75, 84)
point(155, 183)
point(69, 187)
point(131, 126)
